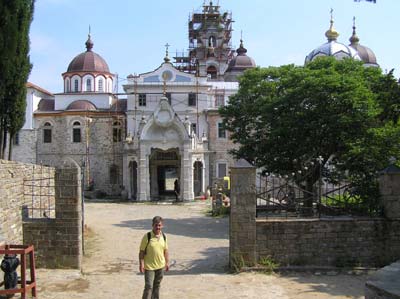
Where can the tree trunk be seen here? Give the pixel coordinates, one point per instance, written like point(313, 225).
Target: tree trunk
point(1, 140)
point(10, 146)
point(4, 143)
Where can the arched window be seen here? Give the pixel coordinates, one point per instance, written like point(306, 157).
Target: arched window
point(212, 72)
point(76, 132)
point(76, 85)
point(88, 85)
point(101, 85)
point(67, 87)
point(117, 131)
point(47, 132)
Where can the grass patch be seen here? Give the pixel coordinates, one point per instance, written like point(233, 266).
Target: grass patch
point(268, 264)
point(237, 263)
point(221, 211)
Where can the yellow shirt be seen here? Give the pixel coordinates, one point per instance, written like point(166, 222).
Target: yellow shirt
point(154, 258)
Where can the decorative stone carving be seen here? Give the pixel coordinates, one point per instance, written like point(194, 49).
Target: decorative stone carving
point(164, 115)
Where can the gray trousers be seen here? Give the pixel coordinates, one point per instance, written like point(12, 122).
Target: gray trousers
point(152, 281)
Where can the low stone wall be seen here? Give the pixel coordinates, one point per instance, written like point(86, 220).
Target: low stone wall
point(58, 242)
point(13, 196)
point(329, 242)
point(384, 284)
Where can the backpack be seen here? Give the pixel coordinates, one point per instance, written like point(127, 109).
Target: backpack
point(149, 237)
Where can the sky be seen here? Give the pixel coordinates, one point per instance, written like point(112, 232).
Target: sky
point(130, 34)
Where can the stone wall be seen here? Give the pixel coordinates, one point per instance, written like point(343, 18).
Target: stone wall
point(103, 151)
point(14, 196)
point(319, 242)
point(218, 147)
point(25, 150)
point(334, 242)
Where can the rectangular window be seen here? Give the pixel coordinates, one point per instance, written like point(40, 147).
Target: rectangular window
point(76, 135)
point(142, 99)
point(169, 97)
point(192, 99)
point(46, 135)
point(221, 170)
point(221, 131)
point(219, 100)
point(76, 87)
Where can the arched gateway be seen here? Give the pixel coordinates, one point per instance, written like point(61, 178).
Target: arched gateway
point(163, 152)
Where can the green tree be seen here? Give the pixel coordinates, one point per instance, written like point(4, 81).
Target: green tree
point(292, 118)
point(15, 19)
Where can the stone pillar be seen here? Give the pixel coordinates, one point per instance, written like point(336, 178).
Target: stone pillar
point(67, 236)
point(242, 235)
point(143, 174)
point(186, 174)
point(389, 184)
point(126, 174)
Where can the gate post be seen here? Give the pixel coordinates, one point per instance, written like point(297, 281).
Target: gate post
point(389, 185)
point(242, 232)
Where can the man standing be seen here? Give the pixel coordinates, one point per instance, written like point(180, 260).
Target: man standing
point(153, 258)
point(177, 189)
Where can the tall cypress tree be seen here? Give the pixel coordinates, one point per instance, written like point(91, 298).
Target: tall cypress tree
point(15, 20)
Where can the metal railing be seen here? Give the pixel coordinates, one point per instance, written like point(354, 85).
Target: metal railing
point(39, 197)
point(281, 197)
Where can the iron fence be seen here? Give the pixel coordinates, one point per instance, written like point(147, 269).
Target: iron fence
point(282, 197)
point(39, 196)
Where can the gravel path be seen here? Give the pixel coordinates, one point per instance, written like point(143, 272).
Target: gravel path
point(199, 254)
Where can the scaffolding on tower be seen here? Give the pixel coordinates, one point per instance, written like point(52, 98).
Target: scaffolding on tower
point(201, 25)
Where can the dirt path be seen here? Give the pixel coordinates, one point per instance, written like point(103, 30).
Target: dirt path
point(198, 251)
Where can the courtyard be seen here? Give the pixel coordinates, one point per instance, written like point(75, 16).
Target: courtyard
point(199, 246)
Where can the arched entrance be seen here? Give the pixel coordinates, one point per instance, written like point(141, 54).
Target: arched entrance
point(164, 170)
point(133, 181)
point(197, 178)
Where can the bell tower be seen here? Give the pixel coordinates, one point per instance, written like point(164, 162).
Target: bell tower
point(210, 48)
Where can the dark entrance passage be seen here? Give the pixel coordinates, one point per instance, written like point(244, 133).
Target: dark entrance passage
point(164, 170)
point(166, 178)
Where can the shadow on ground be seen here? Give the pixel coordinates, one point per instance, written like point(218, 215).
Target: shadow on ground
point(351, 286)
point(214, 260)
point(201, 227)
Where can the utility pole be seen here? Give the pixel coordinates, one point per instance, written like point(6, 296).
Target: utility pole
point(197, 108)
